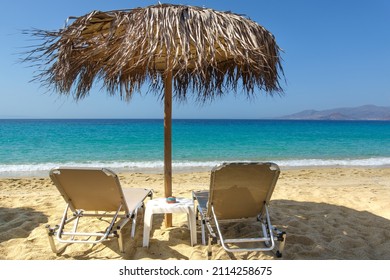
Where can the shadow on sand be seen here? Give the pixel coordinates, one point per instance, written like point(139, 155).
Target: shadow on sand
point(19, 222)
point(158, 250)
point(315, 231)
point(326, 231)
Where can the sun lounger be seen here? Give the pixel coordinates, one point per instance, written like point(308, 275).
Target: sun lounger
point(94, 193)
point(240, 192)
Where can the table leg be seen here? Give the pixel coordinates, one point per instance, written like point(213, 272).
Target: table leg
point(192, 226)
point(148, 220)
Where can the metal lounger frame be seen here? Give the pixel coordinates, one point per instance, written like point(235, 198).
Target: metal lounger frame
point(119, 219)
point(209, 220)
point(270, 233)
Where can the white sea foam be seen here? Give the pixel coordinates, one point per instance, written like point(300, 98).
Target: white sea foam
point(42, 169)
point(369, 162)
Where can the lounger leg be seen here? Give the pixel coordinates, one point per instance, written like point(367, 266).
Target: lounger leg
point(203, 232)
point(120, 241)
point(283, 236)
point(50, 233)
point(265, 234)
point(76, 224)
point(134, 223)
point(198, 216)
point(209, 248)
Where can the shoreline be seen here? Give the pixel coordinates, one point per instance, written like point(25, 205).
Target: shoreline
point(328, 213)
point(176, 170)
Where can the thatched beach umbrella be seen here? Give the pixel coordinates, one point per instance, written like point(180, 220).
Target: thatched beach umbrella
point(177, 50)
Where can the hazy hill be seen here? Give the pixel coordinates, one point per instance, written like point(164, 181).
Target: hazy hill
point(366, 112)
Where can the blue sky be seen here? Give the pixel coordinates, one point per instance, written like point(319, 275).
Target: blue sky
point(336, 54)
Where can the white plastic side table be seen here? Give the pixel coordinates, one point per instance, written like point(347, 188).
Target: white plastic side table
point(159, 205)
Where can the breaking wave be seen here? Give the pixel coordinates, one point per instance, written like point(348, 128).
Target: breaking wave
point(42, 169)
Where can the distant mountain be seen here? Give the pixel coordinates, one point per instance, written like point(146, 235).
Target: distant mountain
point(366, 112)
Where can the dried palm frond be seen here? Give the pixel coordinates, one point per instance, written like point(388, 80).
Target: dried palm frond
point(208, 53)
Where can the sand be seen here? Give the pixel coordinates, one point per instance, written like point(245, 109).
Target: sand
point(328, 213)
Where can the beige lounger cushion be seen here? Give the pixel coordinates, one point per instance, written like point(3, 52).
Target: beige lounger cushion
point(240, 190)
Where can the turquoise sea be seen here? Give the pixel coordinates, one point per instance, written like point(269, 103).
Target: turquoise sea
point(33, 147)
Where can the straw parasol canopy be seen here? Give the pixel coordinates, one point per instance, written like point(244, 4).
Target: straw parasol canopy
point(177, 50)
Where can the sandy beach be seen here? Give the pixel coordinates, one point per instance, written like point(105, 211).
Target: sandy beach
point(328, 213)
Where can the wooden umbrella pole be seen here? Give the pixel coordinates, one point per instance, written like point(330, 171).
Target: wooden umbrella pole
point(168, 141)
